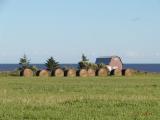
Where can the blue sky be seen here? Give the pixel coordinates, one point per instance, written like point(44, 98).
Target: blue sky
point(65, 29)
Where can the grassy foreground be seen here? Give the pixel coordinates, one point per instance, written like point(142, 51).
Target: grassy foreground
point(110, 98)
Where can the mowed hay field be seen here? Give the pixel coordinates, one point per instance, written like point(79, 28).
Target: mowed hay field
point(97, 98)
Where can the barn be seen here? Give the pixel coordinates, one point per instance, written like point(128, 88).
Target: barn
point(112, 62)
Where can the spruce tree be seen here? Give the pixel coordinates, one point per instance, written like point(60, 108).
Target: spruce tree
point(51, 64)
point(24, 63)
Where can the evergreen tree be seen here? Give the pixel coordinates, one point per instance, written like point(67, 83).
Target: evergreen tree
point(24, 63)
point(51, 64)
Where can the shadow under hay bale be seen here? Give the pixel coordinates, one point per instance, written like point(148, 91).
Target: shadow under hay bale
point(70, 73)
point(43, 73)
point(91, 73)
point(26, 73)
point(82, 73)
point(116, 72)
point(128, 72)
point(103, 72)
point(58, 73)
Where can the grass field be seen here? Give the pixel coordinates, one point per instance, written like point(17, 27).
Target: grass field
point(110, 98)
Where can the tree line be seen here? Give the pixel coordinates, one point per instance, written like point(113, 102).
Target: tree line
point(51, 64)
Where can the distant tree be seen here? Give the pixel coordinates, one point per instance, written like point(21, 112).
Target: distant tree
point(51, 64)
point(84, 58)
point(85, 64)
point(24, 63)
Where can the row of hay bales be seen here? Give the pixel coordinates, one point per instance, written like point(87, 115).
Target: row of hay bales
point(103, 72)
point(124, 72)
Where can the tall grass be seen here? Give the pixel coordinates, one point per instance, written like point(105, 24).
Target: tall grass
point(112, 98)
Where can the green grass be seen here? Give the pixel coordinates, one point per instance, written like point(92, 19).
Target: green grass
point(110, 98)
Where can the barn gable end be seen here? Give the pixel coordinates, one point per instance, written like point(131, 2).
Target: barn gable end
point(114, 62)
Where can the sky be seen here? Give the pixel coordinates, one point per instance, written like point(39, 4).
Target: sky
point(65, 29)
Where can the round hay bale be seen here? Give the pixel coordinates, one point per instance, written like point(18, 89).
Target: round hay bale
point(26, 73)
point(82, 73)
point(117, 72)
point(103, 72)
point(59, 73)
point(128, 72)
point(43, 73)
point(91, 72)
point(70, 73)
